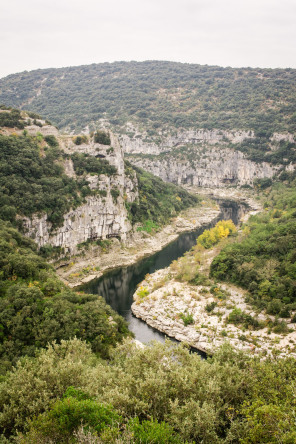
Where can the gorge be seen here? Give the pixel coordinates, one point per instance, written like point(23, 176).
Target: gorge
point(108, 234)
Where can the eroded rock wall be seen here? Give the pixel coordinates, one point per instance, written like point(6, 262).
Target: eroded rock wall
point(140, 143)
point(210, 167)
point(136, 141)
point(102, 215)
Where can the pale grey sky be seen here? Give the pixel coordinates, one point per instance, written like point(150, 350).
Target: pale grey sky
point(55, 33)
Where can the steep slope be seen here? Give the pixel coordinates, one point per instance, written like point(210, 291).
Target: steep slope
point(205, 166)
point(155, 107)
point(65, 191)
point(36, 307)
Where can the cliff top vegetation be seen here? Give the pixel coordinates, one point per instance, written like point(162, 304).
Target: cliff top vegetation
point(157, 95)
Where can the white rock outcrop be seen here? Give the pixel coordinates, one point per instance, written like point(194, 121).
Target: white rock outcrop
point(102, 215)
point(140, 143)
point(211, 167)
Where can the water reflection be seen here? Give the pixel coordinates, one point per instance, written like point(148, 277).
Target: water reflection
point(119, 285)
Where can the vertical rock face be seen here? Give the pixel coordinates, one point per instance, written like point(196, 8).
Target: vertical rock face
point(211, 167)
point(103, 215)
point(212, 162)
point(139, 144)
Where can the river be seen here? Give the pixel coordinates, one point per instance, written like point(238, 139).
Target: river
point(119, 285)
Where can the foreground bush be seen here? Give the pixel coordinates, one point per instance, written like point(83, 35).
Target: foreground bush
point(161, 392)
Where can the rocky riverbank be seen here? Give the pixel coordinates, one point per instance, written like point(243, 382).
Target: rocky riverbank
point(96, 259)
point(199, 314)
point(192, 314)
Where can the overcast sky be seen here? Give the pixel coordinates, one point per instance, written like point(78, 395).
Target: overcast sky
point(55, 33)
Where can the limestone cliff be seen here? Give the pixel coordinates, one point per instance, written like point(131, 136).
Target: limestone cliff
point(205, 158)
point(211, 167)
point(103, 215)
point(164, 142)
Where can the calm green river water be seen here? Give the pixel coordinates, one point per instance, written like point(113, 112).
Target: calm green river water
point(119, 285)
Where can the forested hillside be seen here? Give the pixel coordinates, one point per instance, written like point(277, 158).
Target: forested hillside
point(67, 373)
point(158, 95)
point(264, 260)
point(36, 307)
point(33, 179)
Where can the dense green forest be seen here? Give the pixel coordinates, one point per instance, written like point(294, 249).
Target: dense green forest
point(32, 179)
point(35, 307)
point(263, 261)
point(158, 201)
point(158, 95)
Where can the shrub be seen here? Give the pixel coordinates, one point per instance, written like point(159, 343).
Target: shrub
point(152, 431)
point(281, 327)
point(236, 316)
point(149, 226)
point(142, 292)
point(187, 318)
point(274, 307)
point(211, 306)
point(115, 193)
point(79, 140)
point(67, 415)
point(102, 137)
point(51, 141)
point(222, 229)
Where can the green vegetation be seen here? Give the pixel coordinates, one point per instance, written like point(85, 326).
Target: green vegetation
point(211, 306)
point(35, 307)
point(149, 226)
point(237, 316)
point(261, 149)
point(263, 261)
point(32, 180)
point(11, 118)
point(115, 193)
point(84, 163)
point(102, 137)
point(158, 201)
point(142, 292)
point(155, 94)
point(256, 149)
point(82, 389)
point(51, 141)
point(159, 394)
point(69, 414)
point(187, 318)
point(79, 140)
